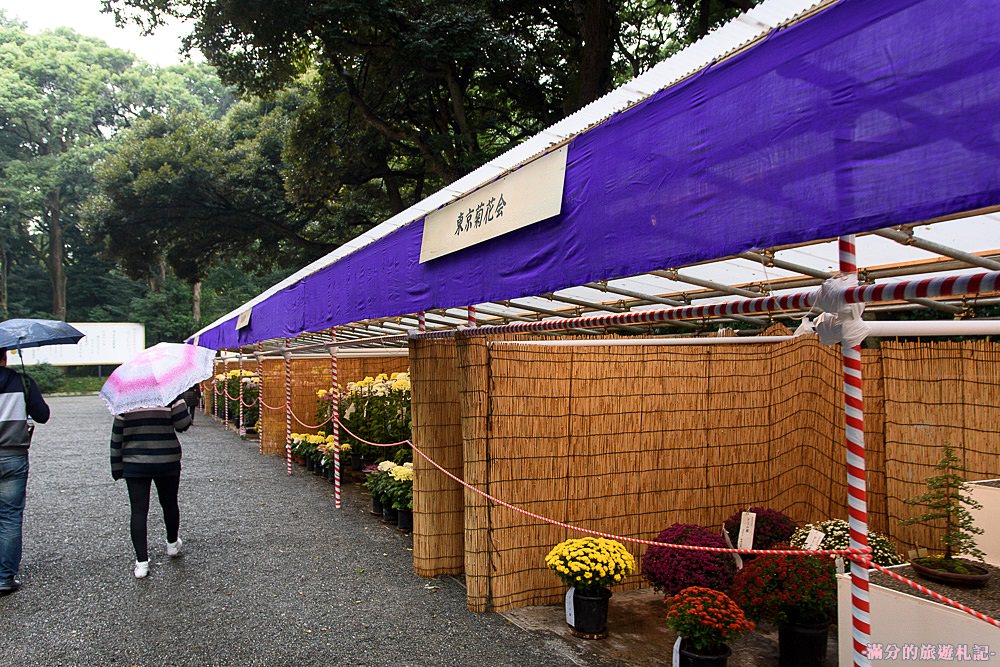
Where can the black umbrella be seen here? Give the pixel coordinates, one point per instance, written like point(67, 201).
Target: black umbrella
point(22, 333)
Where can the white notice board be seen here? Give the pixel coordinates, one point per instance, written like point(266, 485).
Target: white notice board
point(104, 343)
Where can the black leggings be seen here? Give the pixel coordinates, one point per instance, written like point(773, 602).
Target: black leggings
point(138, 498)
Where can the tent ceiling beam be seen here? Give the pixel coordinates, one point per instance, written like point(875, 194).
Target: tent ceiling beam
point(907, 237)
point(771, 260)
point(677, 276)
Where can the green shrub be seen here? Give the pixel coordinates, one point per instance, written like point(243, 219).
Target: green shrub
point(48, 377)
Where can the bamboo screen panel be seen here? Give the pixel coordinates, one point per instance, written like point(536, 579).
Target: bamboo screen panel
point(628, 440)
point(438, 502)
point(948, 393)
point(308, 375)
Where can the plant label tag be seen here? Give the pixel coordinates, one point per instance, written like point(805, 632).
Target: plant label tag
point(747, 522)
point(729, 543)
point(676, 662)
point(570, 613)
point(814, 539)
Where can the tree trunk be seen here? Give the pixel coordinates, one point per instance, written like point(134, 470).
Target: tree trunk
point(4, 313)
point(57, 273)
point(196, 301)
point(597, 32)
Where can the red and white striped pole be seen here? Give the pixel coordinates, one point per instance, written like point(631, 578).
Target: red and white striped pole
point(472, 316)
point(225, 390)
point(335, 408)
point(243, 427)
point(288, 407)
point(857, 495)
point(421, 321)
point(260, 398)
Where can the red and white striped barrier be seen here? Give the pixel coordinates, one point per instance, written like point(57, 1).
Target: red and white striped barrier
point(857, 498)
point(243, 427)
point(942, 286)
point(260, 396)
point(288, 408)
point(225, 390)
point(334, 412)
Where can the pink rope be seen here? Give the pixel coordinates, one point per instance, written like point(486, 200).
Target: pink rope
point(857, 554)
point(373, 444)
point(305, 425)
point(867, 562)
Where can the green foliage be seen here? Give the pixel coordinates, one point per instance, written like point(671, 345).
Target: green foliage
point(376, 409)
point(48, 378)
point(946, 501)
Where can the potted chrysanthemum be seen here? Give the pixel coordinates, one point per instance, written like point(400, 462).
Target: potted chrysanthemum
point(590, 566)
point(705, 621)
point(796, 592)
point(400, 494)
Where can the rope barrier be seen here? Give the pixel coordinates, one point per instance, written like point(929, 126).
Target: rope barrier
point(305, 425)
point(858, 555)
point(867, 562)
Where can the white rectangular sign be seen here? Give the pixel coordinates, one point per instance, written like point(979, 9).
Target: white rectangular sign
point(103, 343)
point(532, 193)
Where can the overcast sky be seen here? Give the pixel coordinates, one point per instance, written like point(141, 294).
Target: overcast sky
point(85, 17)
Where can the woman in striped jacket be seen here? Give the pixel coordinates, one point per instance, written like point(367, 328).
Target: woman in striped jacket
point(145, 451)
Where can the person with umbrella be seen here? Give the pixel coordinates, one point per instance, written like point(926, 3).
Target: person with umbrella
point(144, 395)
point(20, 399)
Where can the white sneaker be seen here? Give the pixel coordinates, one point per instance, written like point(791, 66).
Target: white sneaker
point(141, 570)
point(174, 548)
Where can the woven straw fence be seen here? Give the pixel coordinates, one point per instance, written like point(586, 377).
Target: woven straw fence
point(307, 376)
point(628, 440)
point(945, 394)
point(438, 502)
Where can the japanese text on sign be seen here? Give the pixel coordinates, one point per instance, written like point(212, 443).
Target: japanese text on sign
point(521, 198)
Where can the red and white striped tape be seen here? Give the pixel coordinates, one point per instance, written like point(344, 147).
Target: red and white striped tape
point(941, 286)
point(867, 562)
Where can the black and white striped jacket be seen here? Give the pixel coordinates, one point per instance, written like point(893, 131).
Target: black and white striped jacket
point(14, 412)
point(144, 442)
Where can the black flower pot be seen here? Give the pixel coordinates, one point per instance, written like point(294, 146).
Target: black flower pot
point(376, 506)
point(802, 644)
point(590, 611)
point(691, 658)
point(310, 465)
point(405, 520)
point(357, 463)
point(389, 513)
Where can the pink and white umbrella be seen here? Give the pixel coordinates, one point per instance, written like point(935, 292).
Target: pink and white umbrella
point(156, 376)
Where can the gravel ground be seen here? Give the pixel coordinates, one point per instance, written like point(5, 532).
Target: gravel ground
point(271, 574)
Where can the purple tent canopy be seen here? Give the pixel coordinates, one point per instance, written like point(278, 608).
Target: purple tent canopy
point(866, 115)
